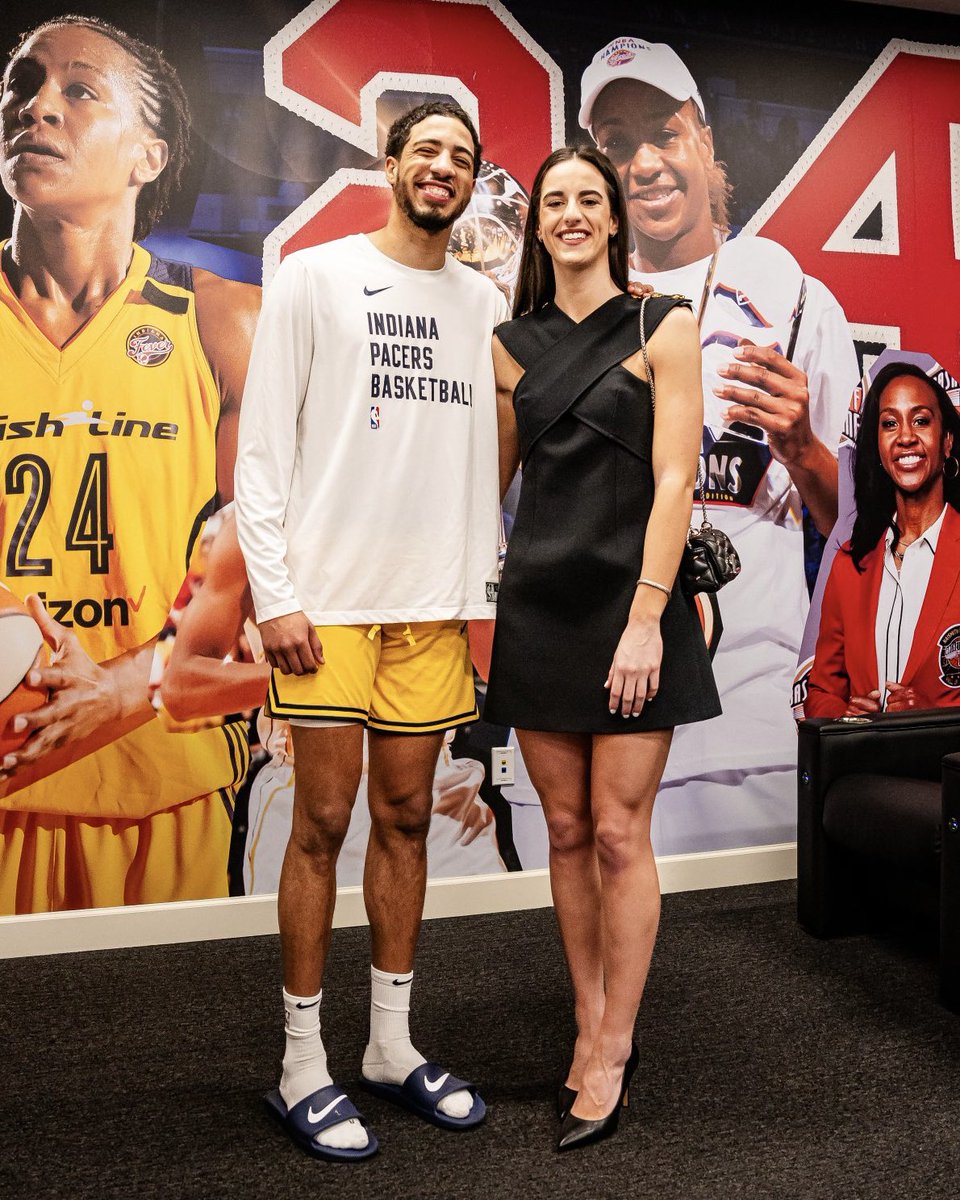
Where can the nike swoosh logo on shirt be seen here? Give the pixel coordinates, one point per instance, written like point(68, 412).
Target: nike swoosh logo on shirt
point(375, 291)
point(316, 1118)
point(434, 1085)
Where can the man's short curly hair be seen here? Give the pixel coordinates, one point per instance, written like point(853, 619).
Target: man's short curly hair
point(399, 132)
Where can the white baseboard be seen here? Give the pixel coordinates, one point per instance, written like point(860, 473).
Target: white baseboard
point(246, 916)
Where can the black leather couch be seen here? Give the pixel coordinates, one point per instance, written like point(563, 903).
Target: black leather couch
point(878, 826)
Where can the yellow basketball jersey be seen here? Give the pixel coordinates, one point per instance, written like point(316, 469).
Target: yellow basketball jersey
point(107, 472)
point(107, 452)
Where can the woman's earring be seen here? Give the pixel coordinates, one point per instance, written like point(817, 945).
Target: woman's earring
point(956, 467)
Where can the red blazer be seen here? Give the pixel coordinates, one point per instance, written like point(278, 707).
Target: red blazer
point(845, 662)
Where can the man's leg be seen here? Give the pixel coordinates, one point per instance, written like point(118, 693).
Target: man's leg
point(327, 774)
point(328, 765)
point(400, 791)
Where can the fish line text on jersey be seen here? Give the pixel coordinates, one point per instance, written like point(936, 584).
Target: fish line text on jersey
point(122, 426)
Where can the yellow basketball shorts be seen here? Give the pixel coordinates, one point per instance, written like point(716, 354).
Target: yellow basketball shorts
point(395, 678)
point(50, 862)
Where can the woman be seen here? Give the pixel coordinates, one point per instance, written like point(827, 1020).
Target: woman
point(587, 601)
point(126, 373)
point(890, 620)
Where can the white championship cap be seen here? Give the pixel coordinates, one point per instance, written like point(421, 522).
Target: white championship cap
point(632, 58)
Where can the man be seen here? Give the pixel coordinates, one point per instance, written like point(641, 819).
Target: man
point(120, 399)
point(779, 367)
point(367, 513)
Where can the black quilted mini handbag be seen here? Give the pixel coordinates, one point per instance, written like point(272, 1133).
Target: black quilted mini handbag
point(709, 559)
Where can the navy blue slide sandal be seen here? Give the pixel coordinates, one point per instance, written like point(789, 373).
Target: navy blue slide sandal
point(421, 1091)
point(316, 1112)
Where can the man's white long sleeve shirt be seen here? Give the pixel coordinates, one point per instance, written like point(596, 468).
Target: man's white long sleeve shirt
point(366, 481)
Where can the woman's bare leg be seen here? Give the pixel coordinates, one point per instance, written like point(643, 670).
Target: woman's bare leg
point(625, 774)
point(559, 768)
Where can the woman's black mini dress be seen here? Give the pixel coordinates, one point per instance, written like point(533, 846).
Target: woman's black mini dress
point(586, 428)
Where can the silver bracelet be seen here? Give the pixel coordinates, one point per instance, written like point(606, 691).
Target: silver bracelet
point(661, 587)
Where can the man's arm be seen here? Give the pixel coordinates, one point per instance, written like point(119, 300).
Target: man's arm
point(197, 681)
point(280, 366)
point(508, 373)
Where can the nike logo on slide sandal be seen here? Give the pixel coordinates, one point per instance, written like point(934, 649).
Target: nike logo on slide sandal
point(316, 1118)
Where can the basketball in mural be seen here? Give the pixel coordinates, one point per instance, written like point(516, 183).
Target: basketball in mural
point(21, 644)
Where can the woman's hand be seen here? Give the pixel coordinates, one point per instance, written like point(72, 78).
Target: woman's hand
point(768, 390)
point(900, 698)
point(83, 695)
point(456, 794)
point(634, 675)
point(858, 706)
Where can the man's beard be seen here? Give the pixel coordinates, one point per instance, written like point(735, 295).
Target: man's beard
point(430, 221)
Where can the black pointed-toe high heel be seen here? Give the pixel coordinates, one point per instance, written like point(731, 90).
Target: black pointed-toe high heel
point(576, 1132)
point(565, 1098)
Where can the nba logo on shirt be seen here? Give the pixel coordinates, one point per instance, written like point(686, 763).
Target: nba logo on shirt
point(374, 416)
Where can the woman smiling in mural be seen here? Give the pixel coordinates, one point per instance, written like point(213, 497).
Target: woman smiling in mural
point(593, 665)
point(890, 625)
point(122, 380)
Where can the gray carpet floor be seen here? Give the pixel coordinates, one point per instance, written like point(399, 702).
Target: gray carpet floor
point(772, 1065)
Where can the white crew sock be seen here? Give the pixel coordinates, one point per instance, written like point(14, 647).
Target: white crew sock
point(305, 1068)
point(390, 1056)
